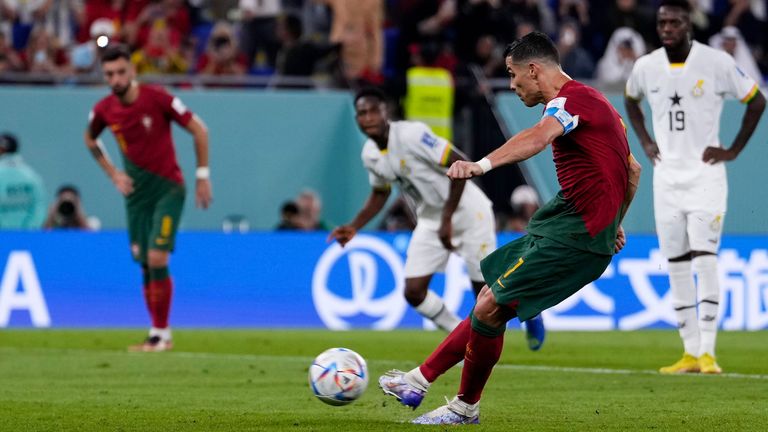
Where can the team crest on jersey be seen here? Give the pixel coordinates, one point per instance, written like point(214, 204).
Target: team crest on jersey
point(698, 89)
point(429, 140)
point(716, 223)
point(404, 168)
point(147, 122)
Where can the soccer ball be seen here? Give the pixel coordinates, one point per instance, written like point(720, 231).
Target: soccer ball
point(338, 376)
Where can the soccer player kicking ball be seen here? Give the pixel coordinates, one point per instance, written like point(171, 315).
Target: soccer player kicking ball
point(685, 83)
point(453, 214)
point(140, 118)
point(570, 240)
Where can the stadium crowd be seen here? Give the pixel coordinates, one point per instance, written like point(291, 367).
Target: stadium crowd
point(355, 42)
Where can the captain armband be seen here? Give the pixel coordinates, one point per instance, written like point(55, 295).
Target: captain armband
point(556, 109)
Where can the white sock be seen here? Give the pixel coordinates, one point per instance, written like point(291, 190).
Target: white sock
point(164, 334)
point(462, 408)
point(705, 267)
point(434, 309)
point(415, 378)
point(684, 302)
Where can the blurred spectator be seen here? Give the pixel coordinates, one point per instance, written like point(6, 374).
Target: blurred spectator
point(750, 18)
point(289, 217)
point(159, 55)
point(525, 202)
point(574, 59)
point(258, 35)
point(122, 13)
point(629, 13)
point(577, 10)
point(357, 26)
point(536, 13)
point(430, 91)
point(67, 211)
point(85, 57)
point(22, 194)
point(21, 16)
point(171, 14)
point(222, 56)
point(730, 40)
point(298, 56)
point(44, 55)
point(9, 59)
point(310, 207)
point(624, 47)
point(61, 18)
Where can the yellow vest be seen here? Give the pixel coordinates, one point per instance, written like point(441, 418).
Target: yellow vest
point(430, 99)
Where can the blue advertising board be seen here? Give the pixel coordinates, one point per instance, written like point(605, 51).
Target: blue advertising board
point(283, 280)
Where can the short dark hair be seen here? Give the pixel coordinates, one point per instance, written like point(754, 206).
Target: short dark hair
point(9, 143)
point(685, 5)
point(371, 92)
point(114, 52)
point(68, 188)
point(534, 45)
point(289, 207)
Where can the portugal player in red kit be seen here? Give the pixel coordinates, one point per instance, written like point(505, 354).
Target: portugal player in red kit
point(570, 240)
point(140, 118)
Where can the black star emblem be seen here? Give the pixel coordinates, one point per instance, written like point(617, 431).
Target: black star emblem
point(676, 99)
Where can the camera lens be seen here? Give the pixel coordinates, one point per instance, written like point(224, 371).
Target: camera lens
point(66, 208)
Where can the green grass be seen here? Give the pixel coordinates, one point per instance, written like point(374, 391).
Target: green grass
point(256, 380)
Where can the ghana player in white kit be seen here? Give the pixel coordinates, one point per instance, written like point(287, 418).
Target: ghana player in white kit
point(686, 83)
point(452, 215)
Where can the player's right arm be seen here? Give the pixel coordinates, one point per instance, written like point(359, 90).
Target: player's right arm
point(520, 147)
point(637, 118)
point(633, 95)
point(376, 201)
point(122, 181)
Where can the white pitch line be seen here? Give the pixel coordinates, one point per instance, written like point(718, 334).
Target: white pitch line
point(252, 357)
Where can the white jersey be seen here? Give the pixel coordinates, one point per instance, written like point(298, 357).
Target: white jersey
point(686, 102)
point(415, 160)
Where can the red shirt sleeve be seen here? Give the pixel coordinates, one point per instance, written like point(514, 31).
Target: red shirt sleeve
point(174, 107)
point(96, 122)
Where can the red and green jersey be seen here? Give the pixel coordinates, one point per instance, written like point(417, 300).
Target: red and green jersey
point(591, 160)
point(142, 129)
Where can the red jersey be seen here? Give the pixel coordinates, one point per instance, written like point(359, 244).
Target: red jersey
point(143, 129)
point(592, 160)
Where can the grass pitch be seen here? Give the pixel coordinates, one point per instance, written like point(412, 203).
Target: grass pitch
point(257, 380)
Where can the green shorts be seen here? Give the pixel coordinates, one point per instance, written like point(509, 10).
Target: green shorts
point(534, 273)
point(153, 222)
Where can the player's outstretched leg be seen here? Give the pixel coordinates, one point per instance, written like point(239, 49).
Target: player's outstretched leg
point(482, 353)
point(535, 332)
point(410, 394)
point(411, 387)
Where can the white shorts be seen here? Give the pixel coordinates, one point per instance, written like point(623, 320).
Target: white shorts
point(474, 237)
point(689, 218)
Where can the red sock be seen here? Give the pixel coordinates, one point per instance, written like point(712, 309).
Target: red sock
point(482, 354)
point(450, 352)
point(160, 293)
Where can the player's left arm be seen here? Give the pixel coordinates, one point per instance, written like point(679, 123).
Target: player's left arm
point(633, 182)
point(520, 147)
point(203, 190)
point(754, 111)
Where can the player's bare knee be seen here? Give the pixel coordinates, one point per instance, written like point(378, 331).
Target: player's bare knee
point(415, 290)
point(157, 258)
point(487, 310)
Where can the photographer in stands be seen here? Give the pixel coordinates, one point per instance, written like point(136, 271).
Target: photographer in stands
point(67, 211)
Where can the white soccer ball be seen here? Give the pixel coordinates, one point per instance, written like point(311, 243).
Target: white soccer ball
point(338, 376)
